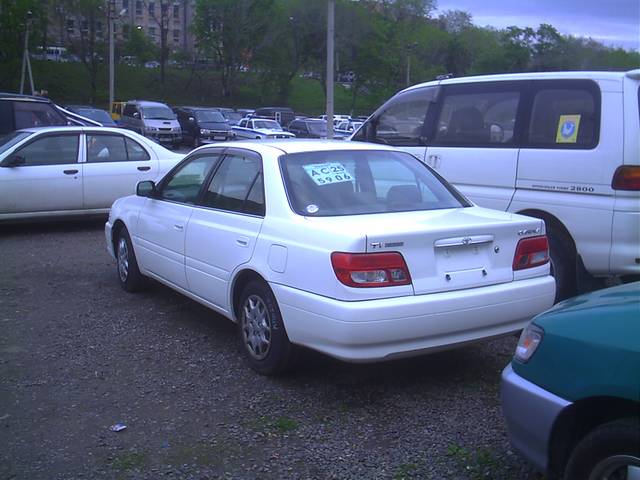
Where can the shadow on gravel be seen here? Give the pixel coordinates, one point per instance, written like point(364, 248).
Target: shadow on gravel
point(53, 226)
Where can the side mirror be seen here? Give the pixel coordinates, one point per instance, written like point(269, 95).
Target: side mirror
point(146, 188)
point(13, 161)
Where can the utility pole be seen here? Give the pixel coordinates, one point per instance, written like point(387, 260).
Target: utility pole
point(26, 62)
point(330, 69)
point(112, 25)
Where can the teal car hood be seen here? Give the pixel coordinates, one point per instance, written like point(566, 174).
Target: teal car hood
point(591, 346)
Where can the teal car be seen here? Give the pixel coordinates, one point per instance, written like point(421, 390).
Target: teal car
point(571, 394)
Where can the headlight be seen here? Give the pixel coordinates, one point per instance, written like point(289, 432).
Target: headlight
point(530, 340)
point(204, 131)
point(151, 129)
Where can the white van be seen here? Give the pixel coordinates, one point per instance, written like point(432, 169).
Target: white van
point(561, 146)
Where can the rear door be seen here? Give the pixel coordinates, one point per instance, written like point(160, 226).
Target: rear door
point(474, 139)
point(223, 229)
point(572, 146)
point(49, 179)
point(114, 164)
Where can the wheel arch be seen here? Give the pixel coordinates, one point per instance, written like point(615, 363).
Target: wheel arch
point(576, 421)
point(241, 279)
point(117, 226)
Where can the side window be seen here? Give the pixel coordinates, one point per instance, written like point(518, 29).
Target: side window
point(135, 151)
point(243, 123)
point(401, 121)
point(106, 148)
point(564, 118)
point(237, 186)
point(184, 183)
point(50, 150)
point(482, 118)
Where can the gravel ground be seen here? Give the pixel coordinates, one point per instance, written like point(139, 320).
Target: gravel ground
point(78, 354)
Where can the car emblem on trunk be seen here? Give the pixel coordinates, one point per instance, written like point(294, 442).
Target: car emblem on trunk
point(466, 240)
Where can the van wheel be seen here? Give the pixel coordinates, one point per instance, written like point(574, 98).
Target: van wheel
point(261, 330)
point(562, 266)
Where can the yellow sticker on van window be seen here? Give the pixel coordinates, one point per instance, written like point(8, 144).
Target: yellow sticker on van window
point(568, 126)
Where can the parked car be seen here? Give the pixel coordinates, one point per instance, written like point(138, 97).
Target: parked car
point(560, 146)
point(347, 127)
point(258, 128)
point(68, 171)
point(283, 115)
point(337, 118)
point(230, 114)
point(93, 113)
point(571, 395)
point(358, 251)
point(154, 120)
point(24, 111)
point(202, 125)
point(115, 111)
point(309, 128)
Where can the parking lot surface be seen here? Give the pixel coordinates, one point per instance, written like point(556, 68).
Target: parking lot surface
point(78, 355)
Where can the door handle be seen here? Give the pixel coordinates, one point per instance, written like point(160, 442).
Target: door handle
point(178, 227)
point(70, 172)
point(144, 169)
point(242, 241)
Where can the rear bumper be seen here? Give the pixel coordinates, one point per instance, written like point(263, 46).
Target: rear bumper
point(404, 326)
point(530, 413)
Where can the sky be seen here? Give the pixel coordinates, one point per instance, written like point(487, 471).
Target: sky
point(615, 23)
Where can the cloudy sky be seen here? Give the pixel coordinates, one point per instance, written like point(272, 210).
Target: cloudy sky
point(613, 22)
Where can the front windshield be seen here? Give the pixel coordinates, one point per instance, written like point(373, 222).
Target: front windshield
point(95, 114)
point(157, 113)
point(318, 128)
point(270, 124)
point(11, 139)
point(209, 116)
point(356, 182)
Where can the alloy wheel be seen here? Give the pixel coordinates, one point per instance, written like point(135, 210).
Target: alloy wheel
point(256, 327)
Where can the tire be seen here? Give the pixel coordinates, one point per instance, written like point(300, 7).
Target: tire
point(562, 266)
point(261, 330)
point(129, 276)
point(606, 452)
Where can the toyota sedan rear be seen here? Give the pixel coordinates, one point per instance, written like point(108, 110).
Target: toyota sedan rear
point(358, 251)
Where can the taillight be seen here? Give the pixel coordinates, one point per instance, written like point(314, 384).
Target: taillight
point(627, 177)
point(531, 252)
point(370, 269)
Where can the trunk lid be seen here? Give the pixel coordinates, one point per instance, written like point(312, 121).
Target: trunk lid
point(450, 249)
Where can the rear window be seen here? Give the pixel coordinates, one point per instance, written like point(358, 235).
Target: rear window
point(349, 182)
point(36, 114)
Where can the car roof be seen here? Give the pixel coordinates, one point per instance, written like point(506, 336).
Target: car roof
point(299, 145)
point(568, 75)
point(18, 96)
point(67, 128)
point(147, 103)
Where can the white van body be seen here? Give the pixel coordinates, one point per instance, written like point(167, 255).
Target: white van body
point(549, 145)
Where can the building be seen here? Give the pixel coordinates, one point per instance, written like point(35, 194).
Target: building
point(176, 16)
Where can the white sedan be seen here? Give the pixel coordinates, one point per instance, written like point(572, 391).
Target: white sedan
point(356, 250)
point(68, 171)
